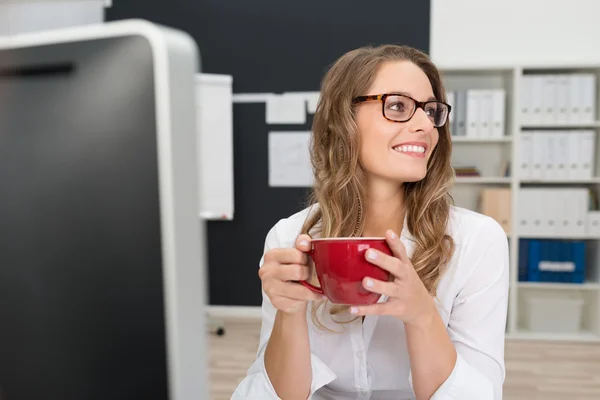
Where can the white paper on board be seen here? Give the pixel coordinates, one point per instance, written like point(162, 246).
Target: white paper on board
point(289, 159)
point(284, 109)
point(312, 101)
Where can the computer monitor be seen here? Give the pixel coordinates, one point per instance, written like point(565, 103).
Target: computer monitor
point(102, 263)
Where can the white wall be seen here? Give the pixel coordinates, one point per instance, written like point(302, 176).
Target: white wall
point(526, 32)
point(21, 16)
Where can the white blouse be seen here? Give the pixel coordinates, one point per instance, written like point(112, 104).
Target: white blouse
point(369, 360)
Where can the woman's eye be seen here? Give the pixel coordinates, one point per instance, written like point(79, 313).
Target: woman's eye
point(430, 111)
point(397, 106)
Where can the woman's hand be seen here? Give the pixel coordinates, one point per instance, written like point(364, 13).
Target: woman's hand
point(281, 270)
point(408, 298)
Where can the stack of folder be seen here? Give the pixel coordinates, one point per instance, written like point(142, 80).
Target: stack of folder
point(552, 261)
point(558, 98)
point(477, 113)
point(554, 211)
point(557, 154)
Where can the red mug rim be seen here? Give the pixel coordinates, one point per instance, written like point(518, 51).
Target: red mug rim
point(346, 238)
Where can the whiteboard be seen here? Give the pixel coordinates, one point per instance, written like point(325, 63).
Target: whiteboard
point(215, 146)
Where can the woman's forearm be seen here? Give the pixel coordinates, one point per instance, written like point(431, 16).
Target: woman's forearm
point(432, 354)
point(287, 357)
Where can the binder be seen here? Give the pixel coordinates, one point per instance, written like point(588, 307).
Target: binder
point(548, 98)
point(498, 113)
point(574, 169)
point(587, 149)
point(567, 216)
point(485, 110)
point(472, 119)
point(460, 125)
point(451, 99)
point(549, 154)
point(562, 102)
point(575, 99)
point(526, 99)
point(533, 261)
point(531, 213)
point(537, 103)
point(523, 259)
point(579, 260)
point(526, 155)
point(538, 156)
point(579, 198)
point(561, 146)
point(550, 206)
point(524, 215)
point(593, 223)
point(538, 198)
point(588, 93)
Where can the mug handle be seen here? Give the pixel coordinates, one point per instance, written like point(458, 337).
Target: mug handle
point(312, 287)
point(308, 285)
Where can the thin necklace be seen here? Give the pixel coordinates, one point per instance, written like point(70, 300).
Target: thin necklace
point(359, 220)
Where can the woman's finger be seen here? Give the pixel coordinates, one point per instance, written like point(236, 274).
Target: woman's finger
point(390, 263)
point(372, 309)
point(293, 272)
point(376, 286)
point(286, 256)
point(303, 243)
point(397, 247)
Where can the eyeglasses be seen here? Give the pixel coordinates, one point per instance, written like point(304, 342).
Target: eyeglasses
point(401, 108)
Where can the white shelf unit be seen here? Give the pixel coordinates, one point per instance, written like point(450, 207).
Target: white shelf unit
point(489, 155)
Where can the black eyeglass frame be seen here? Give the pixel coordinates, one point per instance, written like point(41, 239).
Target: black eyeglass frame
point(418, 104)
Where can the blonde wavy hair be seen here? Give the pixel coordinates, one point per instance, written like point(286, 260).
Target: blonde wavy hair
point(339, 189)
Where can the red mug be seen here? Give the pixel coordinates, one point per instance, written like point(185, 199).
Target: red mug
point(341, 266)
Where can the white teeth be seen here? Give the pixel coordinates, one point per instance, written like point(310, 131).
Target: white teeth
point(410, 149)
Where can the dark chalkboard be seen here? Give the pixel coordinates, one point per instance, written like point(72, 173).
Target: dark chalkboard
point(270, 46)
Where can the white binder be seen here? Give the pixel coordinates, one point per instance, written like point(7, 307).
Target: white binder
point(538, 156)
point(450, 98)
point(484, 122)
point(575, 99)
point(473, 97)
point(549, 154)
point(526, 99)
point(562, 98)
point(587, 148)
point(588, 92)
point(561, 147)
point(566, 215)
point(525, 218)
point(536, 199)
point(574, 169)
point(580, 205)
point(548, 98)
point(593, 223)
point(460, 125)
point(550, 205)
point(498, 113)
point(537, 98)
point(526, 155)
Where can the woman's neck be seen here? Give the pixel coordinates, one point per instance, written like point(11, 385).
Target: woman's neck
point(384, 208)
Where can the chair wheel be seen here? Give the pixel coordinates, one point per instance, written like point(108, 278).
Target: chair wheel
point(220, 331)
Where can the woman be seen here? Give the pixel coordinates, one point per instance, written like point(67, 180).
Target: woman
point(381, 156)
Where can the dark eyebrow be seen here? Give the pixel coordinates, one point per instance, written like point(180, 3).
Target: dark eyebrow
point(432, 98)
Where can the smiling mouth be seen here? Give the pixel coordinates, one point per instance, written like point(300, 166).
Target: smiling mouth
point(410, 149)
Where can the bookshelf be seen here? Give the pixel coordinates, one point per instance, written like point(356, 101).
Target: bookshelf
point(491, 155)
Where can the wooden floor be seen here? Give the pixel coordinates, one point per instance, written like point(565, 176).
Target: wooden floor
point(535, 371)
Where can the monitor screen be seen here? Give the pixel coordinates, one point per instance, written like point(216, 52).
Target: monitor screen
point(82, 313)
